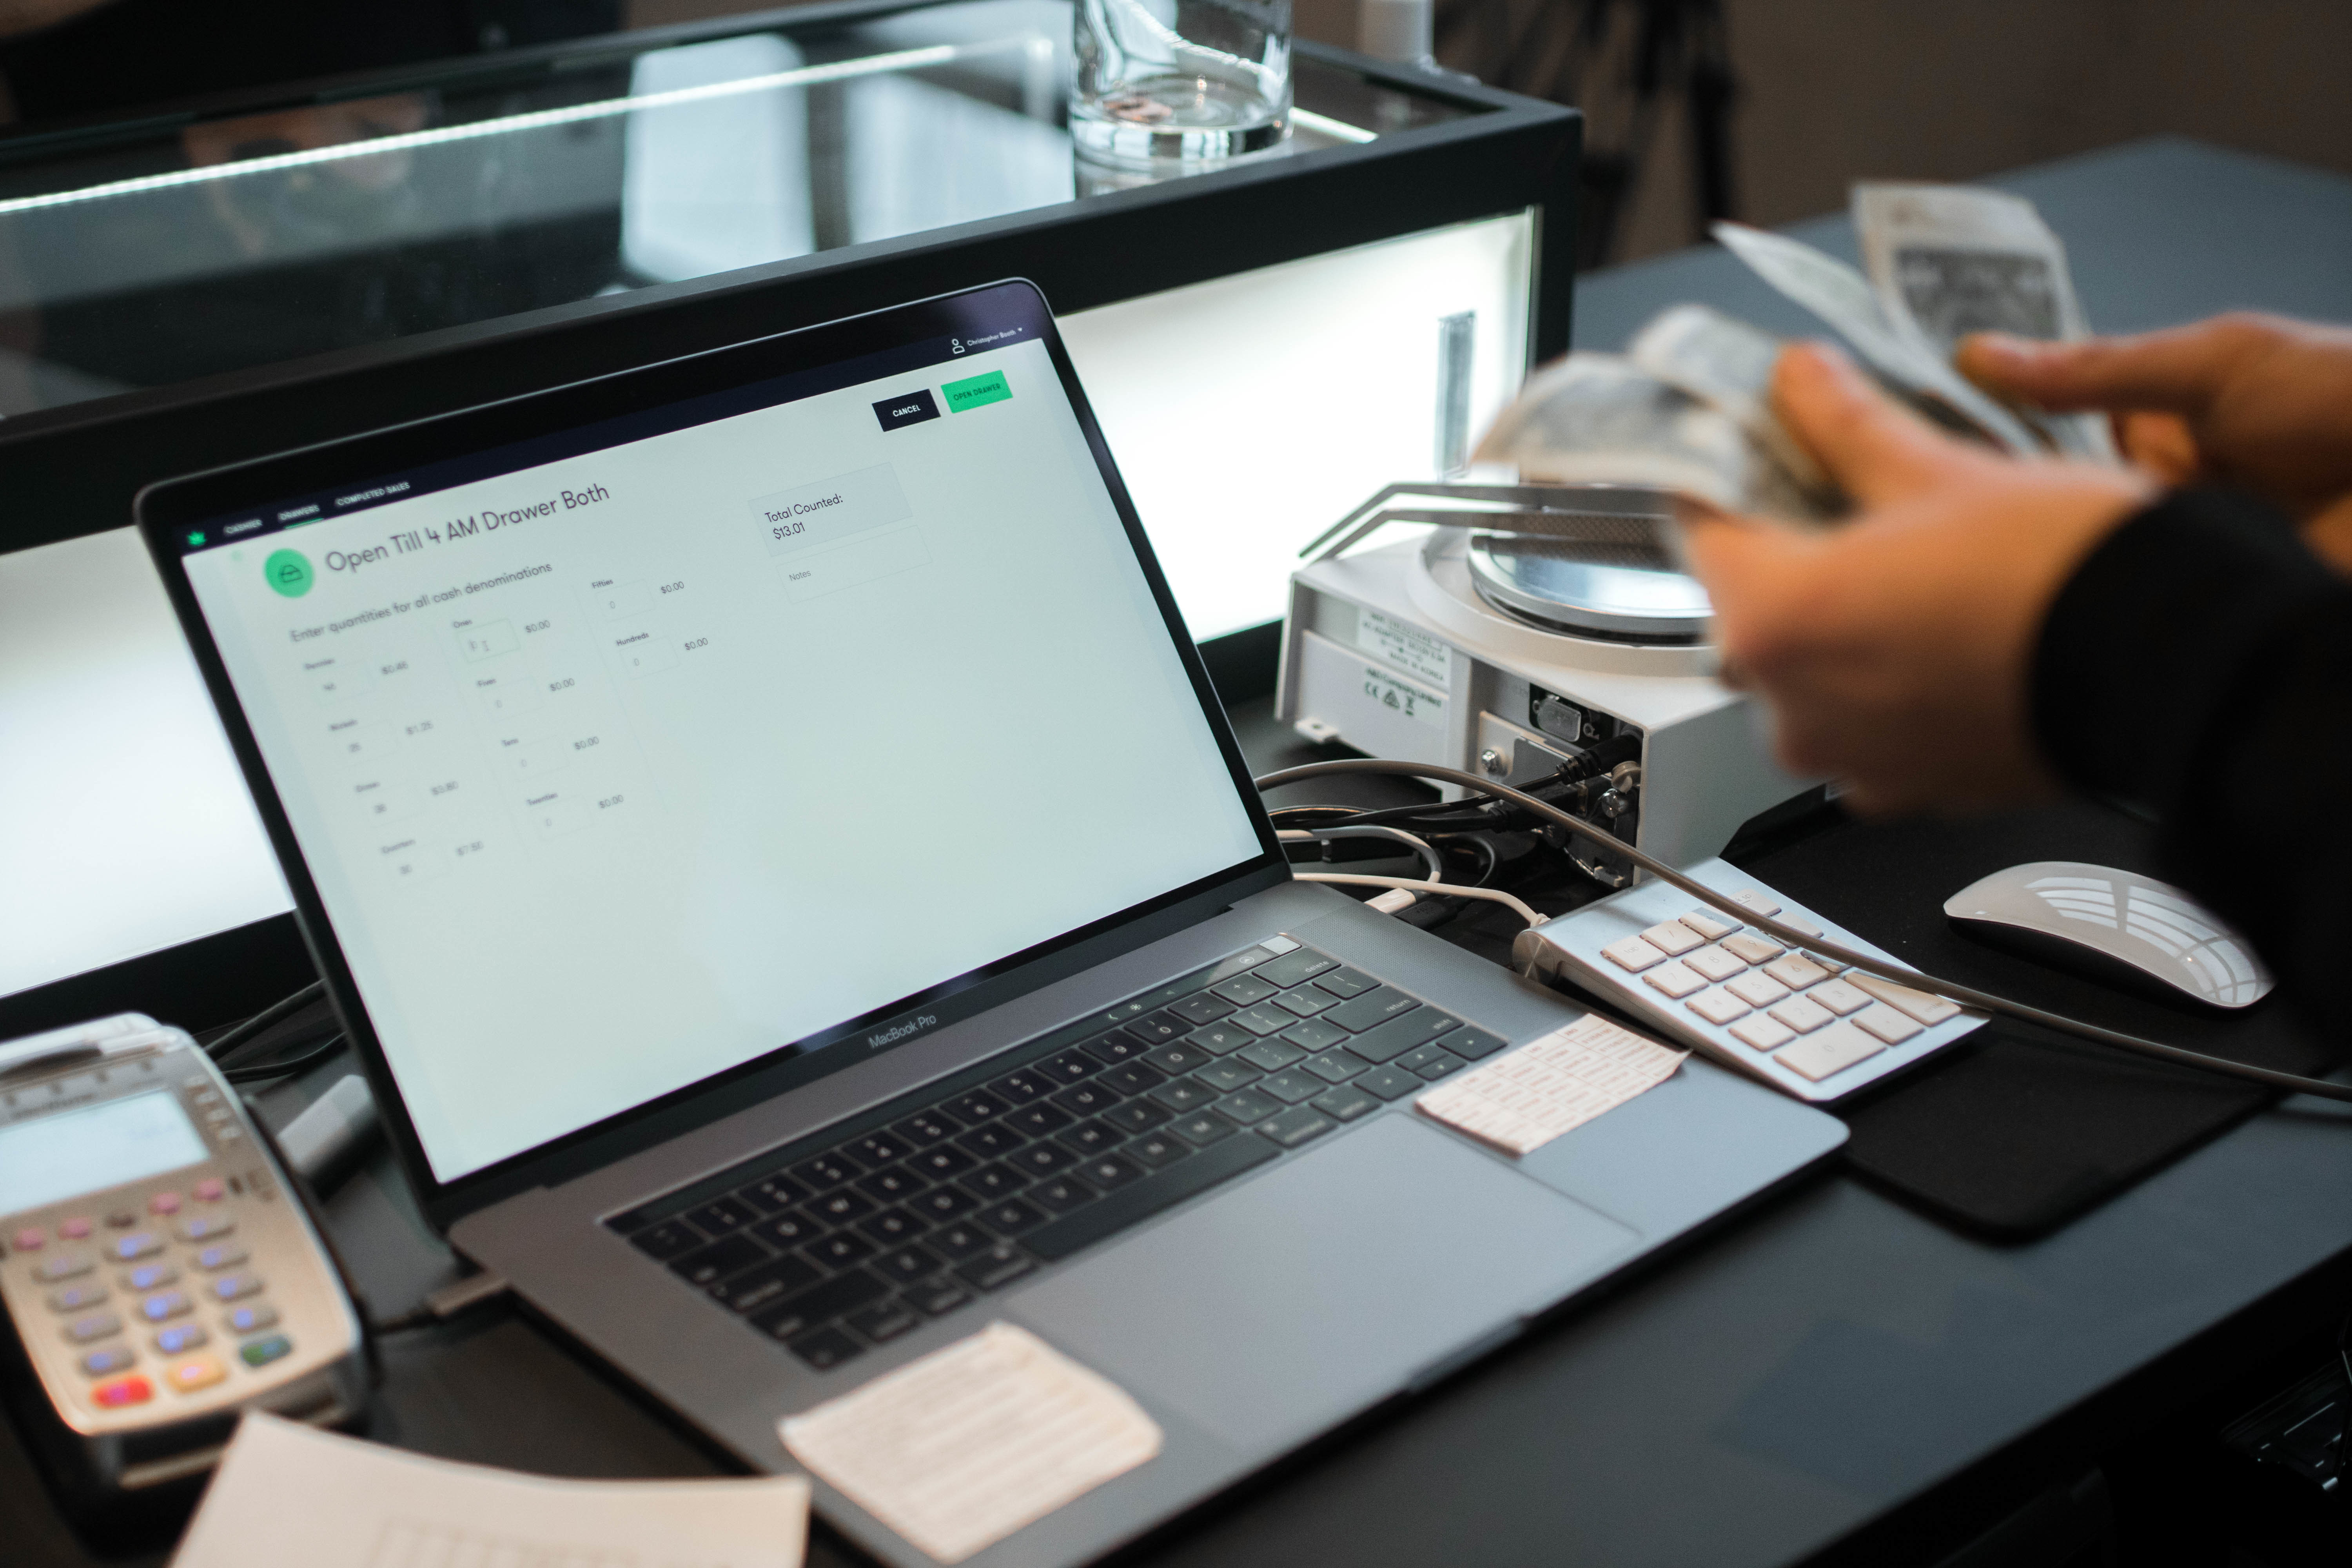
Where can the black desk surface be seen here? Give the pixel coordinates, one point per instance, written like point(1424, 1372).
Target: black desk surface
point(1830, 1364)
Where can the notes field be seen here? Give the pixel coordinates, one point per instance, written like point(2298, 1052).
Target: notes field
point(822, 572)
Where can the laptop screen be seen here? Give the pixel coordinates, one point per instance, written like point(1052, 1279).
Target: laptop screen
point(631, 753)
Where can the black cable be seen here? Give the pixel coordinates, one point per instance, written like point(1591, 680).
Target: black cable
point(1344, 813)
point(1485, 847)
point(1410, 817)
point(275, 1012)
point(1967, 995)
point(416, 1317)
point(286, 1065)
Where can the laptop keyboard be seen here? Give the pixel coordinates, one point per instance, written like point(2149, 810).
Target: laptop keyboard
point(848, 1240)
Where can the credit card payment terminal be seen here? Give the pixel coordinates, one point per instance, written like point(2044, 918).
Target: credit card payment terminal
point(158, 1273)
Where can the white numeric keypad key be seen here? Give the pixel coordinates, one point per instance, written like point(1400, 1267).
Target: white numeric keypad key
point(1676, 980)
point(1918, 1005)
point(1671, 937)
point(1828, 1052)
point(1716, 964)
point(1802, 1014)
point(1718, 1006)
point(1796, 971)
point(1886, 1024)
point(1763, 1033)
point(1632, 954)
point(1839, 997)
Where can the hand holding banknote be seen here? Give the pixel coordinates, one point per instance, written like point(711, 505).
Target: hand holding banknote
point(1686, 408)
point(2260, 402)
point(1894, 653)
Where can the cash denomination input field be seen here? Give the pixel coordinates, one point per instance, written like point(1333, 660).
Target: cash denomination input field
point(641, 649)
point(380, 799)
point(502, 698)
point(337, 682)
point(412, 858)
point(532, 759)
point(553, 813)
point(831, 510)
point(487, 640)
point(613, 599)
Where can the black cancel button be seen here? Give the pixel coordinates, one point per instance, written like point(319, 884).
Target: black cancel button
point(909, 408)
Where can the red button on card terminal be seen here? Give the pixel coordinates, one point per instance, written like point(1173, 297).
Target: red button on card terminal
point(123, 1391)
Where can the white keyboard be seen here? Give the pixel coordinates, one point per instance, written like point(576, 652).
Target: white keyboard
point(1803, 1025)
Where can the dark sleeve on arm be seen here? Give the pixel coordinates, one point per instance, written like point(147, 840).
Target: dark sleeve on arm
point(2199, 668)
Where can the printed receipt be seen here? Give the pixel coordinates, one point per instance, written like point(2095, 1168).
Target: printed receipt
point(957, 1450)
point(1522, 1101)
point(290, 1495)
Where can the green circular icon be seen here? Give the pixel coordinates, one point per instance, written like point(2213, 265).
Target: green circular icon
point(289, 572)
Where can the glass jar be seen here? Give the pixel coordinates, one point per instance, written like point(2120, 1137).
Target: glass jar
point(1162, 81)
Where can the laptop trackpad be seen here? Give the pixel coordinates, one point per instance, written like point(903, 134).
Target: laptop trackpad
point(1295, 1301)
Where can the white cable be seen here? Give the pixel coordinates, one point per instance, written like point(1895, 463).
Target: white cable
point(1421, 847)
point(1443, 890)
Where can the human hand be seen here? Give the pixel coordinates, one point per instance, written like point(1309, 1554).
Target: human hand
point(1894, 653)
point(2260, 402)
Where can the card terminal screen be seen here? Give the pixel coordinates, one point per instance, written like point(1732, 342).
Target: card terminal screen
point(53, 1158)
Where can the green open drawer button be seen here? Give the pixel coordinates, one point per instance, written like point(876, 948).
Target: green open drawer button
point(977, 392)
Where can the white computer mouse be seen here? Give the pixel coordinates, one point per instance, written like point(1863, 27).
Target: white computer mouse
point(2115, 926)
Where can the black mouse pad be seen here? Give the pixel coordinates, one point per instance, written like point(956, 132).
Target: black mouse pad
point(2015, 1132)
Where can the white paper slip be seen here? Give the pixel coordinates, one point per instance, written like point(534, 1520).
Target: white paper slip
point(289, 1496)
point(1523, 1100)
point(957, 1450)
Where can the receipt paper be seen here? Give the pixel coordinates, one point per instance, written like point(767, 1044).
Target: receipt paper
point(1523, 1100)
point(957, 1450)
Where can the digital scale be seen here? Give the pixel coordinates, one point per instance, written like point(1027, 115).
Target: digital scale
point(1535, 625)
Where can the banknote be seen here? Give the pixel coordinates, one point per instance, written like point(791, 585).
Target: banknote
point(1594, 418)
point(1948, 260)
point(1844, 298)
point(1728, 363)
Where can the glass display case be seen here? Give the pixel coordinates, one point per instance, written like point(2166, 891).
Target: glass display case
point(1265, 341)
point(144, 255)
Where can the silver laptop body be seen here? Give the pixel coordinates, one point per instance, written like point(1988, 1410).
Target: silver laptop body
point(798, 901)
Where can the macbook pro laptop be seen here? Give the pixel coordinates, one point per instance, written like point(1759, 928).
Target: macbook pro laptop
point(798, 902)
